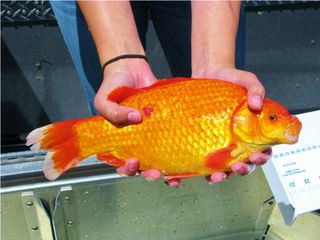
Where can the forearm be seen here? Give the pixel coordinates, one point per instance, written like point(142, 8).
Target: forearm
point(113, 28)
point(214, 30)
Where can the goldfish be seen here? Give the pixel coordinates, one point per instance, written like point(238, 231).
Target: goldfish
point(190, 127)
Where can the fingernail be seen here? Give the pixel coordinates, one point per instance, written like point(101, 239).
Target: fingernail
point(256, 100)
point(174, 182)
point(120, 171)
point(148, 175)
point(134, 117)
point(259, 158)
point(217, 177)
point(132, 167)
point(149, 179)
point(245, 170)
point(240, 168)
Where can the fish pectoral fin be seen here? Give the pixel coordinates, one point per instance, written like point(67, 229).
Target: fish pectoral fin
point(110, 159)
point(219, 160)
point(180, 176)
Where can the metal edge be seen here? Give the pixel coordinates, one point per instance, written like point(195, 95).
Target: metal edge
point(28, 187)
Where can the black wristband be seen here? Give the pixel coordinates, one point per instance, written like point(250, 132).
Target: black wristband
point(122, 57)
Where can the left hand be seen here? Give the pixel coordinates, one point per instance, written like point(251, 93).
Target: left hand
point(255, 97)
point(245, 79)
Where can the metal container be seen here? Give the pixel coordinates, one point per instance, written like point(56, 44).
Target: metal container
point(93, 202)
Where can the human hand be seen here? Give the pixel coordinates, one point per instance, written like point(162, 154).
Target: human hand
point(256, 93)
point(134, 73)
point(245, 79)
point(131, 167)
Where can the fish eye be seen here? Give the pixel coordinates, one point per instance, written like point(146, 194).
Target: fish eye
point(273, 117)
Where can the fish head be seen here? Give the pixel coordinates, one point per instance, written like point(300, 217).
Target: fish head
point(273, 125)
point(278, 124)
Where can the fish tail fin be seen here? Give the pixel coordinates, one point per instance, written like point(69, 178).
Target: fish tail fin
point(60, 140)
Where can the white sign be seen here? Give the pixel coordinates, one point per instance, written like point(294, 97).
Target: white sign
point(293, 172)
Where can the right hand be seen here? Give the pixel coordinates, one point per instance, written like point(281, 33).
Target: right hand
point(133, 73)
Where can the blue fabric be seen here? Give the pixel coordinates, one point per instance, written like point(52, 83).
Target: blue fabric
point(241, 40)
point(80, 45)
point(172, 21)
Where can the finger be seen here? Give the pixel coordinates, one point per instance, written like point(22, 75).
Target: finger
point(115, 113)
point(147, 79)
point(260, 158)
point(255, 89)
point(130, 168)
point(151, 174)
point(216, 177)
point(174, 182)
point(255, 101)
point(250, 82)
point(240, 168)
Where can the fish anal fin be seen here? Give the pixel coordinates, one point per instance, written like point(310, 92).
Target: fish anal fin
point(180, 176)
point(220, 159)
point(110, 159)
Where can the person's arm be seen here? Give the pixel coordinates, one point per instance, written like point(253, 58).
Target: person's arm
point(113, 28)
point(114, 31)
point(214, 30)
point(213, 42)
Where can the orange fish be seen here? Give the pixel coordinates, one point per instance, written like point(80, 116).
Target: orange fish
point(190, 127)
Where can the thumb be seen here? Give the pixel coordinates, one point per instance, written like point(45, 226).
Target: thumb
point(255, 90)
point(255, 97)
point(115, 113)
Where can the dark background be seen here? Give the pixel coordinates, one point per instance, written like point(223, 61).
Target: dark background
point(39, 83)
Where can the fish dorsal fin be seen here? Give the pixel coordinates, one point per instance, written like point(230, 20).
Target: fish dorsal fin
point(120, 94)
point(165, 82)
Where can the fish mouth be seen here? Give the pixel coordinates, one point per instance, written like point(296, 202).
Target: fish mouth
point(291, 139)
point(293, 130)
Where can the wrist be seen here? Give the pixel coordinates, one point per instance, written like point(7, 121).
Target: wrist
point(207, 68)
point(131, 72)
point(118, 45)
point(214, 28)
point(207, 56)
point(124, 56)
point(107, 50)
point(127, 65)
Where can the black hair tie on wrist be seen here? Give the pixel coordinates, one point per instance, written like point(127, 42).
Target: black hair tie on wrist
point(122, 57)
